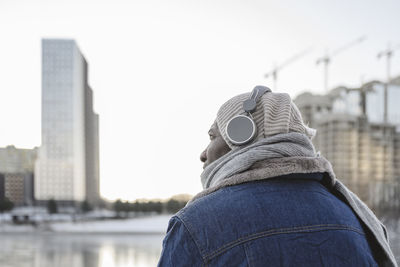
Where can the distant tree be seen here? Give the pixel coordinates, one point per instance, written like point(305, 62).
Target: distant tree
point(156, 206)
point(118, 206)
point(173, 205)
point(127, 206)
point(102, 204)
point(6, 205)
point(138, 206)
point(86, 207)
point(135, 206)
point(52, 206)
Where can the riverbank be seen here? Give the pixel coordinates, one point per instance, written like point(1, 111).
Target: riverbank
point(152, 224)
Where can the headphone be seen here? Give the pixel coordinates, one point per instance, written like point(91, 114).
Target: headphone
point(241, 129)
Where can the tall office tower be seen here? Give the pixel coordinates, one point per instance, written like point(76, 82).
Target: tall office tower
point(67, 168)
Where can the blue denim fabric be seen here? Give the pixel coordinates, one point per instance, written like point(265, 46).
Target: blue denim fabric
point(286, 221)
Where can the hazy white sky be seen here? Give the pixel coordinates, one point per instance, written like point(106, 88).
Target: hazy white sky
point(161, 69)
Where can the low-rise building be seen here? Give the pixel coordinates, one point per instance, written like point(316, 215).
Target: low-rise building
point(17, 174)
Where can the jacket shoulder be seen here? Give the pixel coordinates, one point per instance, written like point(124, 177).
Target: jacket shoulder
point(179, 248)
point(258, 210)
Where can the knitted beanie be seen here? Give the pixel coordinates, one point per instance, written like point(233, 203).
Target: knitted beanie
point(275, 113)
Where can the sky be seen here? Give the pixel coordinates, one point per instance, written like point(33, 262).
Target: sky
point(161, 69)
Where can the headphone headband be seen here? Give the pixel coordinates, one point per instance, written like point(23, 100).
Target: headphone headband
point(250, 104)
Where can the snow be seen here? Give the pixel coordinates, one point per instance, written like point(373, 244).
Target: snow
point(156, 224)
point(151, 224)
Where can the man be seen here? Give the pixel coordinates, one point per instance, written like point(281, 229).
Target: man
point(269, 199)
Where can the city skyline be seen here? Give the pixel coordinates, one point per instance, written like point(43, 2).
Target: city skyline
point(186, 59)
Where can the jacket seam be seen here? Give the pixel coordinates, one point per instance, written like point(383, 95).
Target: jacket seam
point(248, 256)
point(189, 226)
point(307, 228)
point(194, 241)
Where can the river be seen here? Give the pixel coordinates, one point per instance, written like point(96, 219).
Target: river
point(79, 250)
point(90, 250)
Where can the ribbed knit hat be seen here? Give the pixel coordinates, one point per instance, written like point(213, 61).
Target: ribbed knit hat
point(275, 113)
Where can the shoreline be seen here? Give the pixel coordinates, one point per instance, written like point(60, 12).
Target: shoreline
point(149, 225)
point(37, 233)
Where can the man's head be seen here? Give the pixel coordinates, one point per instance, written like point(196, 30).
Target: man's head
point(275, 114)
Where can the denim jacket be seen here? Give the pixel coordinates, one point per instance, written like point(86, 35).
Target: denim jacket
point(285, 221)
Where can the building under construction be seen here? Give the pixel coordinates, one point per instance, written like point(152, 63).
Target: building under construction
point(358, 131)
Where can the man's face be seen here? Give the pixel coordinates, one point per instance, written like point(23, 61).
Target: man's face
point(216, 148)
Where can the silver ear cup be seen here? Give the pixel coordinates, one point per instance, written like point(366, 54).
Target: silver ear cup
point(241, 129)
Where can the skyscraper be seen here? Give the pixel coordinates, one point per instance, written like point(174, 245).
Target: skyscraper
point(68, 160)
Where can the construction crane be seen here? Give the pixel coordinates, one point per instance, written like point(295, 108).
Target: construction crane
point(274, 72)
point(388, 53)
point(326, 60)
